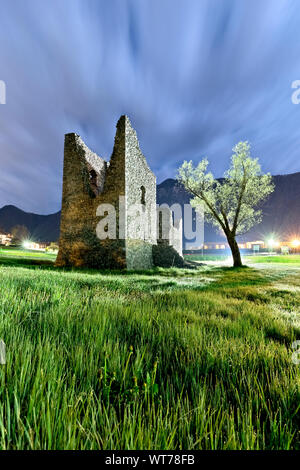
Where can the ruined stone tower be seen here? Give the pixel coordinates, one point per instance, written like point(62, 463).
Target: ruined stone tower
point(89, 182)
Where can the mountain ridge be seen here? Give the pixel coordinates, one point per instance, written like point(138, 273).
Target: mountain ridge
point(44, 228)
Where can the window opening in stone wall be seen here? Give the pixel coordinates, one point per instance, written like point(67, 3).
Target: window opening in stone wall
point(93, 181)
point(143, 195)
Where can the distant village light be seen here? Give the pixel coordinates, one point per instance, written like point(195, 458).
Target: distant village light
point(27, 244)
point(30, 245)
point(271, 243)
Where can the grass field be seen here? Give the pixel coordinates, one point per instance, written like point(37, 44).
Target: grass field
point(283, 259)
point(247, 259)
point(20, 254)
point(168, 359)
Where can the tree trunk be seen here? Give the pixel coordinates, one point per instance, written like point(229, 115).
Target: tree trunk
point(235, 251)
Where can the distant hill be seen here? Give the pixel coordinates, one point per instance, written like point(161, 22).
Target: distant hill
point(41, 227)
point(281, 213)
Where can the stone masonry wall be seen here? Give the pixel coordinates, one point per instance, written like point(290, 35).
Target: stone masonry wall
point(89, 181)
point(168, 251)
point(176, 236)
point(140, 188)
point(169, 232)
point(82, 194)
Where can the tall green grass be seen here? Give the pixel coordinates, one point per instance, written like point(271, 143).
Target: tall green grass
point(170, 359)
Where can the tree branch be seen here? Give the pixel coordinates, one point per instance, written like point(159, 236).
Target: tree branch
point(211, 208)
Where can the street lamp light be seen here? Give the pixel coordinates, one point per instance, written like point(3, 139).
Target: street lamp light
point(272, 244)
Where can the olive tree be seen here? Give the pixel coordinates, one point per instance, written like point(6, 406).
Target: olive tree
point(232, 204)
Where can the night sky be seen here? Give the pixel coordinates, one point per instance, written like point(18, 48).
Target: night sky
point(194, 76)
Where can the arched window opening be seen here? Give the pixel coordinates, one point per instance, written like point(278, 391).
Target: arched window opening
point(93, 180)
point(143, 195)
point(160, 222)
point(93, 177)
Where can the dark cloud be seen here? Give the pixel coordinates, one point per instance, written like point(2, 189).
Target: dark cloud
point(194, 76)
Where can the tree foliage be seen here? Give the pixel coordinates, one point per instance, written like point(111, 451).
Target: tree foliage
point(232, 203)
